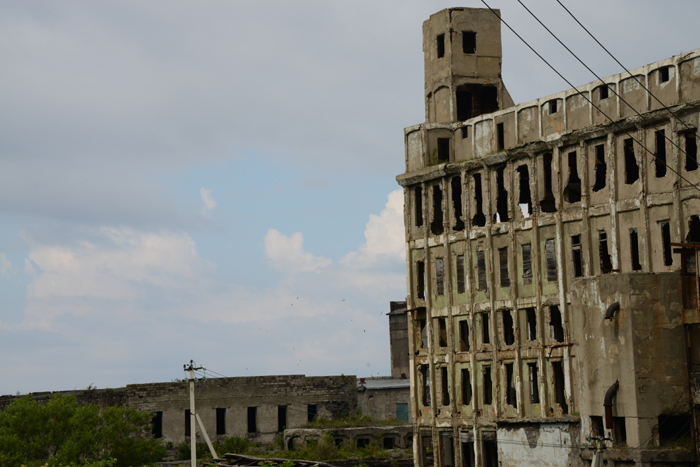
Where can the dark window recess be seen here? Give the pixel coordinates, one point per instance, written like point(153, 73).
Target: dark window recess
point(252, 419)
point(531, 315)
point(511, 397)
point(456, 184)
point(551, 260)
point(445, 386)
point(485, 332)
point(577, 255)
point(547, 203)
point(440, 39)
point(527, 263)
point(508, 332)
point(442, 327)
point(439, 276)
point(619, 431)
point(362, 443)
point(436, 227)
point(464, 335)
point(466, 387)
point(634, 250)
point(460, 274)
point(503, 259)
point(572, 192)
point(501, 137)
point(691, 152)
point(221, 421)
point(481, 270)
point(666, 239)
point(468, 42)
point(424, 371)
point(660, 156)
point(693, 230)
point(601, 169)
point(418, 203)
point(524, 198)
point(552, 106)
point(188, 424)
point(502, 198)
point(422, 328)
point(479, 219)
point(465, 132)
point(490, 450)
point(468, 454)
point(605, 263)
point(157, 425)
point(664, 74)
point(534, 384)
point(631, 167)
point(388, 443)
point(281, 417)
point(311, 412)
point(488, 387)
point(597, 426)
point(674, 427)
point(474, 100)
point(555, 324)
point(420, 279)
point(447, 449)
point(443, 149)
point(604, 92)
point(559, 394)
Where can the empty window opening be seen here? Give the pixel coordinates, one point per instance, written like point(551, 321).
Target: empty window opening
point(597, 426)
point(534, 384)
point(547, 203)
point(552, 106)
point(443, 147)
point(157, 424)
point(464, 335)
point(440, 39)
point(503, 259)
point(619, 431)
point(448, 456)
point(188, 424)
point(664, 74)
point(481, 269)
point(474, 100)
point(465, 132)
point(281, 417)
point(418, 204)
point(555, 324)
point(456, 183)
point(605, 263)
point(560, 395)
point(466, 387)
point(634, 250)
point(693, 230)
point(501, 138)
point(362, 443)
point(436, 227)
point(531, 315)
point(572, 192)
point(445, 386)
point(485, 332)
point(252, 419)
point(479, 218)
point(631, 167)
point(439, 276)
point(666, 239)
point(524, 198)
point(527, 263)
point(502, 198)
point(460, 274)
point(488, 387)
point(425, 375)
point(442, 329)
point(422, 328)
point(468, 42)
point(464, 106)
point(511, 397)
point(221, 421)
point(604, 92)
point(601, 169)
point(468, 454)
point(490, 450)
point(691, 152)
point(551, 260)
point(674, 427)
point(388, 443)
point(420, 279)
point(660, 156)
point(427, 455)
point(577, 255)
point(311, 412)
point(508, 332)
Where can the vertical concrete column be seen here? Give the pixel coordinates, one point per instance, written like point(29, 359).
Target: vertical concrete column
point(643, 233)
point(612, 190)
point(586, 236)
point(675, 223)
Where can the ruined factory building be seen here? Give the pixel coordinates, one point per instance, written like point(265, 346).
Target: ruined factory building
point(552, 252)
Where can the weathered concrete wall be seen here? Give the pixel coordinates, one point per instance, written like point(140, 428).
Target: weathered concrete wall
point(539, 445)
point(383, 403)
point(402, 435)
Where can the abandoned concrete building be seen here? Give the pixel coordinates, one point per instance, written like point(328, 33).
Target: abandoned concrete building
point(551, 261)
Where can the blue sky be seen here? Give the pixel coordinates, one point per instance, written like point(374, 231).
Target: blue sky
point(214, 180)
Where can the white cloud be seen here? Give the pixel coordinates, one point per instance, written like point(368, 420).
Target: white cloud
point(287, 253)
point(29, 267)
point(208, 202)
point(5, 265)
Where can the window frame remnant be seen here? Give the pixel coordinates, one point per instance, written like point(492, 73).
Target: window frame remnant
point(479, 218)
point(551, 258)
point(437, 226)
point(531, 319)
point(488, 385)
point(422, 323)
point(508, 327)
point(603, 253)
point(485, 331)
point(482, 283)
point(660, 156)
point(420, 279)
point(631, 166)
point(577, 255)
point(466, 387)
point(468, 42)
point(503, 262)
point(534, 383)
point(440, 43)
point(572, 192)
point(461, 282)
point(634, 250)
point(511, 395)
point(439, 277)
point(464, 336)
point(666, 241)
point(691, 152)
point(418, 205)
point(425, 386)
point(456, 188)
point(220, 421)
point(445, 386)
point(442, 332)
point(601, 168)
point(526, 249)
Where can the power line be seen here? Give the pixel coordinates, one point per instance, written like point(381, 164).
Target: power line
point(584, 96)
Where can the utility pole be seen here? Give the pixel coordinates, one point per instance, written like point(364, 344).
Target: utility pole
point(195, 416)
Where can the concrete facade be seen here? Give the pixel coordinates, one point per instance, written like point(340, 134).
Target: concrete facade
point(524, 223)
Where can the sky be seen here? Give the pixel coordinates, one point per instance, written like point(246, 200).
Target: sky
point(215, 180)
